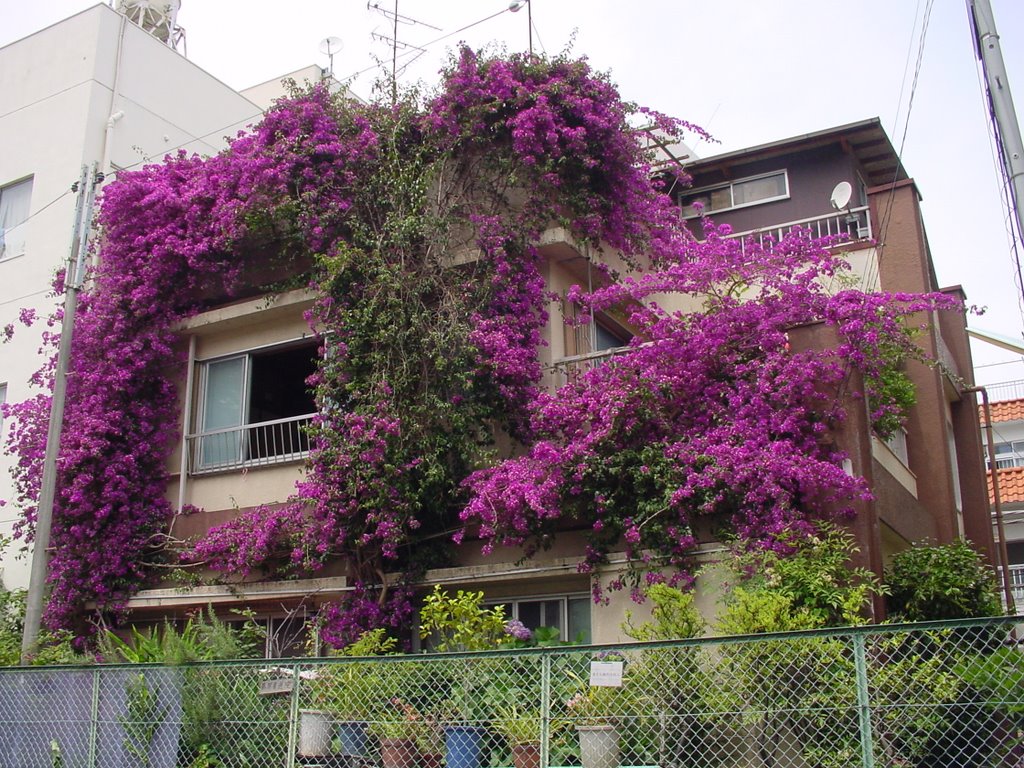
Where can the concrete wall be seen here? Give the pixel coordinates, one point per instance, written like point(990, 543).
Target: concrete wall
point(60, 86)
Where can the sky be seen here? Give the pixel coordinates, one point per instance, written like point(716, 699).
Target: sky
point(749, 71)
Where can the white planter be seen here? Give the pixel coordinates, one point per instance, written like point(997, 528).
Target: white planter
point(316, 730)
point(599, 746)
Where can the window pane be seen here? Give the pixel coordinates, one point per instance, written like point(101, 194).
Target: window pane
point(579, 619)
point(14, 207)
point(720, 198)
point(552, 616)
point(759, 189)
point(530, 613)
point(223, 408)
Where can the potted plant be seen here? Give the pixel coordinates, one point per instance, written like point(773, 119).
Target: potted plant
point(354, 693)
point(594, 710)
point(398, 729)
point(521, 728)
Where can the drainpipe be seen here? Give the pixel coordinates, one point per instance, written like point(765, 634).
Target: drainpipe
point(115, 116)
point(997, 503)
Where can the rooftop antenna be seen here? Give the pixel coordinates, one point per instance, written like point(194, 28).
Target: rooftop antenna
point(395, 17)
point(515, 6)
point(330, 46)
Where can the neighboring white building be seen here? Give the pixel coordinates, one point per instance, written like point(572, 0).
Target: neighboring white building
point(94, 88)
point(1008, 437)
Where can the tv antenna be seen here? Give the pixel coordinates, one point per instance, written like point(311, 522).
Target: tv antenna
point(396, 18)
point(330, 46)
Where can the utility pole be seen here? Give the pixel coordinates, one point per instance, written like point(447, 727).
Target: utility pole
point(987, 48)
point(86, 188)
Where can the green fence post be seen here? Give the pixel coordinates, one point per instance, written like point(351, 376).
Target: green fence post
point(293, 719)
point(863, 702)
point(545, 710)
point(94, 719)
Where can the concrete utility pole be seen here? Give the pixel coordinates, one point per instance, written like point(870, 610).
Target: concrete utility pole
point(86, 188)
point(1001, 101)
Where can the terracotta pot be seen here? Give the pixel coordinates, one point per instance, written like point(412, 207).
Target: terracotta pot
point(526, 755)
point(431, 759)
point(398, 753)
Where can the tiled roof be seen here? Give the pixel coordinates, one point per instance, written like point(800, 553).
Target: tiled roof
point(1011, 485)
point(1004, 410)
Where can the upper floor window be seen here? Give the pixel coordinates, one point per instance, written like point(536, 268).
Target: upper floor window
point(569, 614)
point(14, 207)
point(253, 408)
point(752, 190)
point(1009, 454)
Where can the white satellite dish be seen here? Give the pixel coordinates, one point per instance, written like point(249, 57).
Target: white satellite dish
point(330, 46)
point(841, 194)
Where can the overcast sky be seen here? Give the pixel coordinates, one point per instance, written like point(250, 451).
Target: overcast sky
point(750, 71)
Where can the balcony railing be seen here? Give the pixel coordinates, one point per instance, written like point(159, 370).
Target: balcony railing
point(570, 368)
point(250, 445)
point(852, 225)
point(1007, 390)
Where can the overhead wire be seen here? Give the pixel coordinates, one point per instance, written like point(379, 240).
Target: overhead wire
point(886, 217)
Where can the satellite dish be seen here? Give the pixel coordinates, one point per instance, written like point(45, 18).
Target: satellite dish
point(331, 45)
point(841, 195)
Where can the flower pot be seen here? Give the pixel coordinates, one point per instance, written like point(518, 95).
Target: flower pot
point(397, 753)
point(354, 737)
point(463, 745)
point(526, 755)
point(599, 746)
point(315, 732)
point(431, 760)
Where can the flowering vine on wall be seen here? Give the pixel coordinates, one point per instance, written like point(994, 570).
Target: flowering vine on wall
point(415, 223)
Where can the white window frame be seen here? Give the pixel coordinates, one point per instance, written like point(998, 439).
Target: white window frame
point(12, 246)
point(1011, 456)
point(200, 464)
point(512, 608)
point(691, 193)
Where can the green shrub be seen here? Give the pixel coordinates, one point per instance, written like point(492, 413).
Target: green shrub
point(934, 582)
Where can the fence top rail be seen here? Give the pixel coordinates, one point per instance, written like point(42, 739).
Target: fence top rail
point(292, 666)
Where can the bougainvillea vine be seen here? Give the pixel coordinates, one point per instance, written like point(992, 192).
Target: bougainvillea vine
point(415, 222)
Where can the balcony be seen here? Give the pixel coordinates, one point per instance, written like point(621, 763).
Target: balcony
point(850, 225)
point(570, 368)
point(250, 445)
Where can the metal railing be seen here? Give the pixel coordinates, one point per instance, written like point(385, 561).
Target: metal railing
point(939, 694)
point(1006, 390)
point(261, 444)
point(573, 366)
point(853, 224)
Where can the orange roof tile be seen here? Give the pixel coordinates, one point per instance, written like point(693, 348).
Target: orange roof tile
point(1004, 410)
point(1011, 485)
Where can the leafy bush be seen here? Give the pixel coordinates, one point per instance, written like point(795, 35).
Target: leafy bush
point(934, 582)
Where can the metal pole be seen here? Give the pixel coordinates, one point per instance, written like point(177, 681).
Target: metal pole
point(529, 23)
point(293, 718)
point(48, 482)
point(1001, 100)
point(860, 666)
point(545, 710)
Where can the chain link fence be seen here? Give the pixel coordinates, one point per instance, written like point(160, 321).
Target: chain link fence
point(928, 695)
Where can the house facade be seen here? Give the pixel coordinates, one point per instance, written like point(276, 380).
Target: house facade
point(926, 479)
point(97, 91)
point(244, 402)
